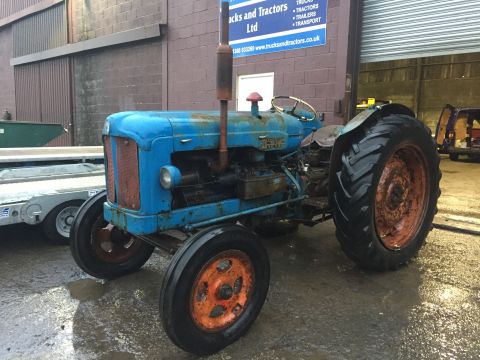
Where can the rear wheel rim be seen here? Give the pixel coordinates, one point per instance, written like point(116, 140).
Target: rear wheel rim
point(222, 290)
point(111, 244)
point(401, 197)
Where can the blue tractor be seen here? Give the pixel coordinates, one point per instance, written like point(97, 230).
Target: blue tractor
point(204, 185)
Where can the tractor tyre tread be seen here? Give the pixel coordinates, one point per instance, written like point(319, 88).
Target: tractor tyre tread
point(82, 250)
point(355, 191)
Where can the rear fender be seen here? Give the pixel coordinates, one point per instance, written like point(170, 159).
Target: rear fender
point(372, 114)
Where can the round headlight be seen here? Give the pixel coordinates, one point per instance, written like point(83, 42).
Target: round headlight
point(170, 177)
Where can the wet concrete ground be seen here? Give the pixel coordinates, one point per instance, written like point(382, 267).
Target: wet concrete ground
point(320, 305)
point(459, 205)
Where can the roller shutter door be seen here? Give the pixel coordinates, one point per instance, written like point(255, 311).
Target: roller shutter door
point(402, 29)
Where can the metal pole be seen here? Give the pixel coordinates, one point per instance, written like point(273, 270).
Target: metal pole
point(224, 83)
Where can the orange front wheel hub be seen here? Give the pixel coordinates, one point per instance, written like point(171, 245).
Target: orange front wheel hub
point(221, 290)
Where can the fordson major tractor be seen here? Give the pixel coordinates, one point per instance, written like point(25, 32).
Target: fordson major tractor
point(220, 179)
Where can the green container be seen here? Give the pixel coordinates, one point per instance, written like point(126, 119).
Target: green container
point(22, 134)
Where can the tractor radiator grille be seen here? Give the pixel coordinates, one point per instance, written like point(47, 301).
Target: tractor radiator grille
point(110, 173)
point(126, 192)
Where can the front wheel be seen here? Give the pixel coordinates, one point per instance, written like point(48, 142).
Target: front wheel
point(386, 193)
point(101, 249)
point(214, 289)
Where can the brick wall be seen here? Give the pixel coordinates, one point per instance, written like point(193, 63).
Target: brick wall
point(7, 81)
point(315, 74)
point(94, 18)
point(113, 80)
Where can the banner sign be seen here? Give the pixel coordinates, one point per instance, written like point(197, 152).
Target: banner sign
point(265, 26)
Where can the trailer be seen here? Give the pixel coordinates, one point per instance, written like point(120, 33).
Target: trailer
point(47, 186)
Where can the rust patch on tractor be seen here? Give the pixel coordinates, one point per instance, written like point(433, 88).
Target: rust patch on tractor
point(111, 244)
point(128, 177)
point(220, 208)
point(402, 197)
point(199, 116)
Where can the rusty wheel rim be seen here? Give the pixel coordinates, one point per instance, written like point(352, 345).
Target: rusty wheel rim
point(221, 290)
point(111, 244)
point(401, 198)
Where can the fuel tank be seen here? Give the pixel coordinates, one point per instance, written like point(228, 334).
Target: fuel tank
point(201, 130)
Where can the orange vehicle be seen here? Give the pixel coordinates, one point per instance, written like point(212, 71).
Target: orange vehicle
point(458, 132)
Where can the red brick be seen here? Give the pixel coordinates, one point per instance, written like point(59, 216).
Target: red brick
point(316, 76)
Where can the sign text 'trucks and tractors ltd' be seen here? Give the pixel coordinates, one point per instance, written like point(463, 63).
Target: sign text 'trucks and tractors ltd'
point(265, 26)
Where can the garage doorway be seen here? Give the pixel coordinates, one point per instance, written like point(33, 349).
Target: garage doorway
point(425, 55)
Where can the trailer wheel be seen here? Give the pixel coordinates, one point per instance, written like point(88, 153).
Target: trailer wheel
point(58, 222)
point(101, 249)
point(386, 193)
point(214, 289)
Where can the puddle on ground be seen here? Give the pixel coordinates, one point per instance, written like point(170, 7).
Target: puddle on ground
point(86, 289)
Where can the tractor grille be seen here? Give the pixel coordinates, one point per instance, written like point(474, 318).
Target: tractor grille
point(110, 173)
point(127, 190)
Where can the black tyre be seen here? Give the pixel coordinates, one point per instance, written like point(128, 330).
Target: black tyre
point(453, 156)
point(101, 249)
point(58, 222)
point(214, 289)
point(386, 192)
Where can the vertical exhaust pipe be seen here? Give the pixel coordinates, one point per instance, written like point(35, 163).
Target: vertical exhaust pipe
point(224, 82)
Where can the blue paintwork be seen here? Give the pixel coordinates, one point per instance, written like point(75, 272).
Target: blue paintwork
point(159, 134)
point(201, 130)
point(188, 217)
point(255, 109)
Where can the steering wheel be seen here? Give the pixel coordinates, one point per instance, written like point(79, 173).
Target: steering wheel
point(292, 110)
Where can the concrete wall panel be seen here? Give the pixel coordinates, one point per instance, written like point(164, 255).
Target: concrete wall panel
point(92, 19)
point(7, 80)
point(113, 80)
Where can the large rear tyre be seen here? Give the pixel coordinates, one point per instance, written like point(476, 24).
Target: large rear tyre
point(386, 193)
point(214, 289)
point(101, 249)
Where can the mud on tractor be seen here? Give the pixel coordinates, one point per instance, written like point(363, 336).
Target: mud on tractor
point(204, 185)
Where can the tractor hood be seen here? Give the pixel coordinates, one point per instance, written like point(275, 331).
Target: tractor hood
point(201, 130)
